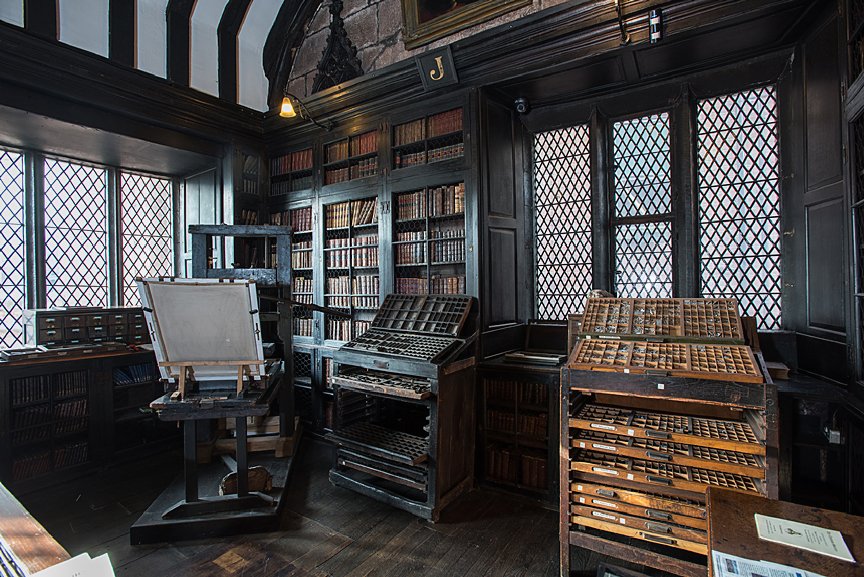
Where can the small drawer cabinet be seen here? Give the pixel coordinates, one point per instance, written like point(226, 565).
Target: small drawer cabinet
point(59, 327)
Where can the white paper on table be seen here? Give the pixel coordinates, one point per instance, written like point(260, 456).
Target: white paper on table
point(803, 536)
point(80, 566)
point(726, 565)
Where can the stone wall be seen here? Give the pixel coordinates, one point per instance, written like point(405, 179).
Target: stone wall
point(375, 28)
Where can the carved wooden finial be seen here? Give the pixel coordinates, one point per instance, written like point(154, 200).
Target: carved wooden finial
point(339, 60)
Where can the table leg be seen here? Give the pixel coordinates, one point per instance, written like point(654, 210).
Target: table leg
point(190, 460)
point(242, 462)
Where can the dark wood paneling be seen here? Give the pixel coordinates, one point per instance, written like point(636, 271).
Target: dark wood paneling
point(499, 150)
point(823, 357)
point(823, 108)
point(503, 290)
point(229, 26)
point(40, 18)
point(179, 14)
point(826, 278)
point(603, 73)
point(121, 32)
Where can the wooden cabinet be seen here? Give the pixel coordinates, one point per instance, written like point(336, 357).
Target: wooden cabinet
point(647, 427)
point(66, 416)
point(518, 434)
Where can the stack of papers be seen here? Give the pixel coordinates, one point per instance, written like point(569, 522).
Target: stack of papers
point(81, 566)
point(732, 566)
point(803, 536)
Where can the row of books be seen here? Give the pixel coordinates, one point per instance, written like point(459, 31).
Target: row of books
point(302, 285)
point(355, 257)
point(292, 162)
point(341, 329)
point(249, 186)
point(512, 465)
point(411, 236)
point(403, 159)
point(299, 219)
point(297, 182)
point(433, 126)
point(446, 200)
point(413, 253)
point(447, 251)
point(533, 425)
point(509, 391)
point(301, 260)
point(359, 285)
point(366, 143)
point(445, 122)
point(364, 168)
point(70, 426)
point(32, 465)
point(250, 164)
point(301, 245)
point(135, 374)
point(31, 416)
point(365, 240)
point(442, 232)
point(70, 409)
point(303, 327)
point(354, 213)
point(31, 389)
point(248, 217)
point(344, 301)
point(303, 298)
point(443, 285)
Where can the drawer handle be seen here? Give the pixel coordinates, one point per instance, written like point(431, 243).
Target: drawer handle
point(51, 333)
point(657, 527)
point(656, 434)
point(605, 493)
point(604, 427)
point(658, 456)
point(654, 514)
point(76, 319)
point(658, 480)
point(656, 539)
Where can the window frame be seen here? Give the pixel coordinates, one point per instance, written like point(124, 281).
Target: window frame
point(680, 101)
point(34, 224)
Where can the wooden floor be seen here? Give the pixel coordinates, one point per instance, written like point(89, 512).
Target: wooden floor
point(326, 530)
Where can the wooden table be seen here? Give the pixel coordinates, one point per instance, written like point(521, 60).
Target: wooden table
point(28, 539)
point(732, 530)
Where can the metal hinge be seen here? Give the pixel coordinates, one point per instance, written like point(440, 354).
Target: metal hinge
point(385, 207)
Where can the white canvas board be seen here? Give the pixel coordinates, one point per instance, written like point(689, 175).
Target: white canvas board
point(204, 320)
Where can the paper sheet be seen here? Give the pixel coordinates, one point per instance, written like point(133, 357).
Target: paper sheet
point(726, 565)
point(80, 566)
point(808, 537)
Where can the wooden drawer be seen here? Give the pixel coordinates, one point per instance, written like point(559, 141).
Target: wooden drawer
point(118, 330)
point(701, 431)
point(669, 452)
point(136, 318)
point(49, 336)
point(75, 333)
point(74, 321)
point(138, 328)
point(656, 474)
point(655, 507)
point(603, 525)
point(117, 319)
point(49, 322)
point(98, 331)
point(664, 528)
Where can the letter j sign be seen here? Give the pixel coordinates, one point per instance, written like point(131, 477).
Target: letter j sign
point(436, 68)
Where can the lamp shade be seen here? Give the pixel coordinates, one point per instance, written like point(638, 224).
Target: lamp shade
point(287, 109)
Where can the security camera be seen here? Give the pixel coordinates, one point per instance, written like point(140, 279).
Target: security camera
point(521, 105)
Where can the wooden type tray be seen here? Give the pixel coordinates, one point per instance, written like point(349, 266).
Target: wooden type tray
point(701, 431)
point(669, 452)
point(654, 526)
point(369, 439)
point(430, 314)
point(403, 386)
point(710, 320)
point(713, 362)
point(415, 346)
point(639, 534)
point(661, 474)
point(412, 477)
point(647, 505)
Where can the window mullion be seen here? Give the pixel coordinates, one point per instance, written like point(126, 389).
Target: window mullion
point(113, 224)
point(34, 228)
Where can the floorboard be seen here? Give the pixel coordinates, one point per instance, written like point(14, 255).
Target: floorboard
point(326, 531)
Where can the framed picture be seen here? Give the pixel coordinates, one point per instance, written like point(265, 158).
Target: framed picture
point(428, 20)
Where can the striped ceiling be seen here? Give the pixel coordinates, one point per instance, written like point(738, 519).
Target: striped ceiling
point(213, 46)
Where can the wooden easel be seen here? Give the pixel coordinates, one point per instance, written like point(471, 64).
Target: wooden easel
point(187, 370)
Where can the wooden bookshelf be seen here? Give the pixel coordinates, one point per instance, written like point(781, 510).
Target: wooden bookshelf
point(351, 158)
point(429, 139)
point(291, 172)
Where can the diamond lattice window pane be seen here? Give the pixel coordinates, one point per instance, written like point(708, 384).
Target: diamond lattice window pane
point(76, 239)
point(739, 201)
point(11, 247)
point(642, 166)
point(145, 225)
point(643, 260)
point(562, 220)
